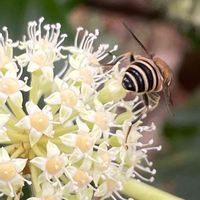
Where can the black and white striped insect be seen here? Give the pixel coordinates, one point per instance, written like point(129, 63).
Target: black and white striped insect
point(146, 76)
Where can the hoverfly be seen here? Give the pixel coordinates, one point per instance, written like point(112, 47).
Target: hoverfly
point(146, 76)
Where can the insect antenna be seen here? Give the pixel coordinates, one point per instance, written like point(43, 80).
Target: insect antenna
point(136, 38)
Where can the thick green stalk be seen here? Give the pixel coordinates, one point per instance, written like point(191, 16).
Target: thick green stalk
point(35, 87)
point(141, 191)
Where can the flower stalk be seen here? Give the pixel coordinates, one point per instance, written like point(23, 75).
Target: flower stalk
point(141, 191)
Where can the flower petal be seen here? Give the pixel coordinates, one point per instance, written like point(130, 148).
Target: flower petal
point(39, 162)
point(82, 126)
point(24, 123)
point(3, 119)
point(4, 155)
point(69, 139)
point(34, 136)
point(32, 108)
point(64, 113)
point(48, 72)
point(17, 98)
point(52, 150)
point(53, 99)
point(19, 164)
point(3, 98)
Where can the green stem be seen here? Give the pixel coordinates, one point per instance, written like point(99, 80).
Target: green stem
point(16, 137)
point(141, 191)
point(17, 152)
point(34, 178)
point(60, 130)
point(35, 84)
point(18, 111)
point(38, 150)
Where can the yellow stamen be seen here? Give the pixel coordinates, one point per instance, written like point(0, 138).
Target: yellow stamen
point(81, 178)
point(104, 159)
point(86, 76)
point(7, 171)
point(69, 98)
point(54, 165)
point(9, 85)
point(39, 121)
point(83, 142)
point(101, 120)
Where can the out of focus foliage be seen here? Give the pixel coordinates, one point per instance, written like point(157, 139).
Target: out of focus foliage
point(16, 13)
point(179, 164)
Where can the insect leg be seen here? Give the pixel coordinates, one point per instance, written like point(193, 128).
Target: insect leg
point(154, 99)
point(146, 100)
point(129, 129)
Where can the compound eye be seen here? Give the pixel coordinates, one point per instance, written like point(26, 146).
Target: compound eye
point(127, 83)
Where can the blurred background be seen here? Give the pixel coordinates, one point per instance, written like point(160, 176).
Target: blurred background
point(169, 29)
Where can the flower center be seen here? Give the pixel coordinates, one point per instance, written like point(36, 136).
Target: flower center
point(81, 178)
point(101, 120)
point(39, 58)
point(9, 85)
point(54, 165)
point(86, 76)
point(39, 121)
point(69, 98)
point(7, 171)
point(49, 197)
point(104, 159)
point(84, 143)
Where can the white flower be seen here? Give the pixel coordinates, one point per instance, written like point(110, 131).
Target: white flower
point(53, 165)
point(11, 87)
point(42, 50)
point(85, 52)
point(10, 179)
point(49, 192)
point(83, 141)
point(67, 96)
point(6, 52)
point(101, 116)
point(111, 186)
point(38, 121)
point(86, 61)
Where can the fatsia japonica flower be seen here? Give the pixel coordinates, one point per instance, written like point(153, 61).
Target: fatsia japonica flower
point(65, 134)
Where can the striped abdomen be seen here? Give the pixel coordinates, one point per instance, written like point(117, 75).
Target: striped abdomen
point(142, 76)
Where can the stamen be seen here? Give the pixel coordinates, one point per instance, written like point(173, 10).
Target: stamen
point(83, 39)
point(39, 27)
point(77, 35)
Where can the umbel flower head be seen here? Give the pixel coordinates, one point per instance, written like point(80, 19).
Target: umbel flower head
point(68, 139)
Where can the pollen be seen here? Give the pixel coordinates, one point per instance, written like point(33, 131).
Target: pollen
point(86, 76)
point(84, 143)
point(54, 165)
point(9, 85)
point(69, 98)
point(39, 121)
point(101, 120)
point(40, 58)
point(7, 171)
point(81, 178)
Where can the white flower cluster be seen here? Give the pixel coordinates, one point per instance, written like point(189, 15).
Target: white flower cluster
point(67, 137)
